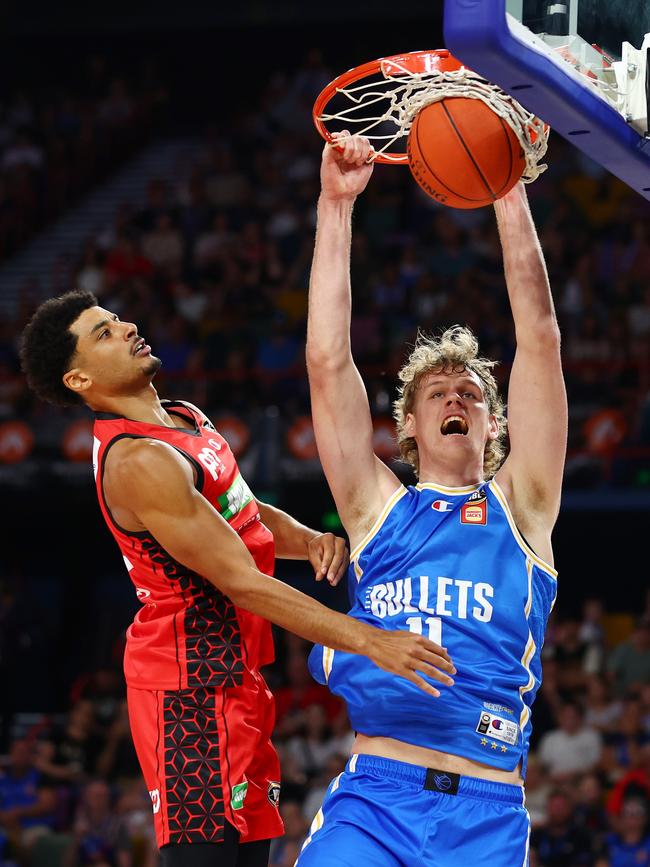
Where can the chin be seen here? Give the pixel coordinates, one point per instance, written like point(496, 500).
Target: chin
point(153, 366)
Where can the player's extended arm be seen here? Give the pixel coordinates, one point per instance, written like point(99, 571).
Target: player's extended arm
point(326, 552)
point(158, 486)
point(537, 405)
point(360, 482)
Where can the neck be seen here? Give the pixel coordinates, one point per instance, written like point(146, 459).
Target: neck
point(141, 406)
point(450, 477)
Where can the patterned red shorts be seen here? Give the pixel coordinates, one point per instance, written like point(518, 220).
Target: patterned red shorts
point(206, 757)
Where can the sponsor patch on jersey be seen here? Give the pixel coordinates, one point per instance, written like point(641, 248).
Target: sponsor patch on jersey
point(273, 793)
point(497, 708)
point(238, 795)
point(441, 506)
point(498, 728)
point(474, 511)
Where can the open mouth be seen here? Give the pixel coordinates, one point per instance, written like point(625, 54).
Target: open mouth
point(140, 347)
point(454, 424)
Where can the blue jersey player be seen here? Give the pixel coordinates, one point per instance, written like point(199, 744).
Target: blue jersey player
point(464, 558)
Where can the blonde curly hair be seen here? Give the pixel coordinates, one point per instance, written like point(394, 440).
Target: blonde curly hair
point(455, 350)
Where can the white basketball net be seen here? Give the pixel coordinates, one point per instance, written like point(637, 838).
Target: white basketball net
point(410, 92)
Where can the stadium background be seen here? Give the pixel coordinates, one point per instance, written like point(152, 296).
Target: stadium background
point(209, 255)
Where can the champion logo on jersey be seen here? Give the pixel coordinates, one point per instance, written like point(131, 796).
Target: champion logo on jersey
point(475, 509)
point(442, 506)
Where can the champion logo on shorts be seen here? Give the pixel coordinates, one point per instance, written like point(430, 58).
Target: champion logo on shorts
point(238, 795)
point(273, 793)
point(154, 794)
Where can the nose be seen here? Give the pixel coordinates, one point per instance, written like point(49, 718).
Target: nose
point(130, 330)
point(453, 398)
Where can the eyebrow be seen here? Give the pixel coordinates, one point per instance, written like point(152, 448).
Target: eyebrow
point(101, 324)
point(98, 325)
point(465, 379)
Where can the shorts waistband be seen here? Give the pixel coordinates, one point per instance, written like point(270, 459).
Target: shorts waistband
point(435, 780)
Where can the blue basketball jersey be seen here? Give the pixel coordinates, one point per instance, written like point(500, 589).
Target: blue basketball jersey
point(448, 563)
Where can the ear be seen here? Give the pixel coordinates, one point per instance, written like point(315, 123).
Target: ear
point(409, 425)
point(493, 427)
point(76, 380)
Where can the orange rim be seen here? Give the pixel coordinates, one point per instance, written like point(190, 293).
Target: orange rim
point(414, 61)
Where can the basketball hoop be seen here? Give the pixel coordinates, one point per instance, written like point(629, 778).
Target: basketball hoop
point(380, 100)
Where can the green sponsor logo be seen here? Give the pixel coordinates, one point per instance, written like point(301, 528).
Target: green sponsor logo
point(238, 796)
point(236, 497)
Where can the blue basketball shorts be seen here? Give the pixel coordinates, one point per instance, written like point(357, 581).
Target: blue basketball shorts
point(383, 813)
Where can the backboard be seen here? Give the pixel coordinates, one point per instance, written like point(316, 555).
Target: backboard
point(580, 65)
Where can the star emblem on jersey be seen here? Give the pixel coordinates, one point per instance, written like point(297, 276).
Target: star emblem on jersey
point(475, 509)
point(493, 745)
point(483, 742)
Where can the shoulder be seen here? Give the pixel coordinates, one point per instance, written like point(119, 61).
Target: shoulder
point(132, 461)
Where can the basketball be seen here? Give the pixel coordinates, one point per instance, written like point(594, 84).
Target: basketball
point(463, 154)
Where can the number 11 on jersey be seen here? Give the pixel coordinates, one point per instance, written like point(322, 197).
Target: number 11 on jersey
point(434, 626)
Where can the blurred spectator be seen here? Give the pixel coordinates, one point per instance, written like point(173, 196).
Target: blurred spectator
point(117, 760)
point(27, 800)
point(590, 813)
point(630, 845)
point(292, 701)
point(312, 748)
point(561, 842)
point(635, 783)
point(629, 662)
point(570, 653)
point(601, 711)
point(104, 689)
point(163, 245)
point(70, 754)
point(100, 836)
point(312, 803)
point(571, 748)
point(538, 788)
point(629, 735)
point(592, 635)
point(295, 831)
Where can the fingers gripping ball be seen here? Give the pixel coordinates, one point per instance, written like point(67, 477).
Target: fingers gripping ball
point(463, 154)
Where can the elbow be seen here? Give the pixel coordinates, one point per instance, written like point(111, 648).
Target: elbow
point(544, 336)
point(327, 360)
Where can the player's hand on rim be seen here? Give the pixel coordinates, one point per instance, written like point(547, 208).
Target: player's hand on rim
point(410, 656)
point(346, 166)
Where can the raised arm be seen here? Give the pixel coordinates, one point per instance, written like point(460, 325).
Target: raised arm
point(359, 481)
point(158, 486)
point(537, 406)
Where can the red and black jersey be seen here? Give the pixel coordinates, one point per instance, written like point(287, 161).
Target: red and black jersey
point(188, 634)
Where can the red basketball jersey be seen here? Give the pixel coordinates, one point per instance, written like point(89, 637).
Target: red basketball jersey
point(188, 634)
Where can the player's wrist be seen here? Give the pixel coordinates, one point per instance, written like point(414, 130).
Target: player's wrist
point(336, 202)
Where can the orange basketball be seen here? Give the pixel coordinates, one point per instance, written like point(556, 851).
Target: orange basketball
point(463, 154)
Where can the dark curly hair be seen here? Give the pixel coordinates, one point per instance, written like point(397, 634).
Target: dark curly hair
point(47, 346)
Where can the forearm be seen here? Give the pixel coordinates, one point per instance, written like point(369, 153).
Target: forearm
point(525, 270)
point(328, 327)
point(298, 613)
point(291, 537)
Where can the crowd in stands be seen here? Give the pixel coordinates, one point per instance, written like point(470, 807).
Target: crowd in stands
point(214, 268)
point(71, 793)
point(60, 138)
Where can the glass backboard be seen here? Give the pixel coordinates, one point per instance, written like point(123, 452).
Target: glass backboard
point(580, 65)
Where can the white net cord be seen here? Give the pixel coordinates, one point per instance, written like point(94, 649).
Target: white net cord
point(410, 92)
